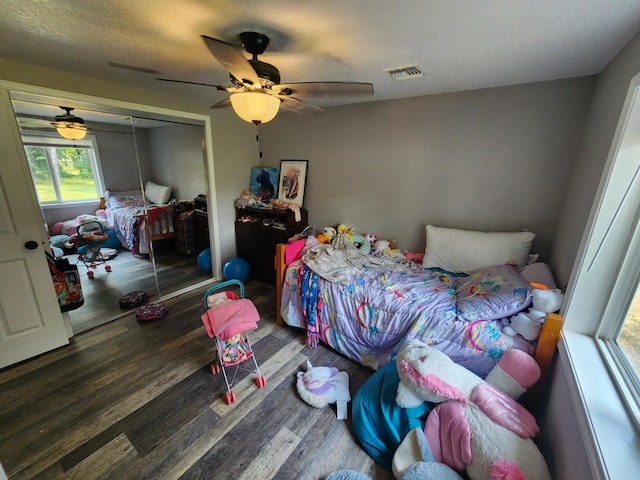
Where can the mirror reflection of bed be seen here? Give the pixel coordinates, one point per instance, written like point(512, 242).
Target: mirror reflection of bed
point(135, 150)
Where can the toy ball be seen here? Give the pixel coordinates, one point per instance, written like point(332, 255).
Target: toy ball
point(236, 269)
point(204, 260)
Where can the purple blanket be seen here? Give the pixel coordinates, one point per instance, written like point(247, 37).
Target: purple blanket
point(369, 318)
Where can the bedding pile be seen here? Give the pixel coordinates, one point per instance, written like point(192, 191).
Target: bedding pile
point(366, 307)
point(125, 210)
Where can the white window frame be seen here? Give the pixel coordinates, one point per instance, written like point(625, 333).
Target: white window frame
point(88, 142)
point(601, 288)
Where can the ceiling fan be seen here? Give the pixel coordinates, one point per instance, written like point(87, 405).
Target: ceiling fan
point(256, 93)
point(67, 124)
point(70, 126)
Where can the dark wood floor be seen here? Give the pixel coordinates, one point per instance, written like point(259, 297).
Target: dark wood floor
point(137, 401)
point(174, 271)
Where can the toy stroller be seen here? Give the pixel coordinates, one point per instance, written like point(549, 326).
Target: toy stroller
point(91, 236)
point(227, 319)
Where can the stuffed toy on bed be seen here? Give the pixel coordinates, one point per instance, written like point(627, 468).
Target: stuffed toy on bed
point(529, 322)
point(475, 427)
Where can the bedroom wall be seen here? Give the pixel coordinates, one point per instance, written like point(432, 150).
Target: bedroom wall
point(495, 159)
point(178, 159)
point(561, 425)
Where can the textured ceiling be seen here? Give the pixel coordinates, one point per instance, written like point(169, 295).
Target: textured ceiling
point(460, 44)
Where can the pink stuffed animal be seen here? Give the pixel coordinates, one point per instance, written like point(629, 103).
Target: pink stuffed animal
point(475, 427)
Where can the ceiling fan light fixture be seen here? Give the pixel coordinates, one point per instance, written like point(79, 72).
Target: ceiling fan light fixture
point(255, 107)
point(69, 126)
point(71, 131)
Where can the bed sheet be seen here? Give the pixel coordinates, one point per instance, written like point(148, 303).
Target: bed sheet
point(370, 318)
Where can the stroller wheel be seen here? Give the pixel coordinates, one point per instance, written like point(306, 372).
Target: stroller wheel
point(215, 369)
point(230, 397)
point(107, 268)
point(90, 274)
point(261, 381)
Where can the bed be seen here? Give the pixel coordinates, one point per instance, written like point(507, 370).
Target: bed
point(454, 301)
point(138, 218)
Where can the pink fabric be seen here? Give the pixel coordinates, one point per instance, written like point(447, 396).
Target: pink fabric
point(449, 435)
point(153, 213)
point(294, 251)
point(506, 470)
point(432, 383)
point(520, 366)
point(230, 318)
point(504, 410)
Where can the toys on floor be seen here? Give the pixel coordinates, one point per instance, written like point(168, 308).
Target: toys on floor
point(321, 386)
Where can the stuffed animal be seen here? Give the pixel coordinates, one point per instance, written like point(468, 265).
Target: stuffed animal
point(474, 427)
point(413, 460)
point(415, 257)
point(529, 322)
point(371, 238)
point(321, 386)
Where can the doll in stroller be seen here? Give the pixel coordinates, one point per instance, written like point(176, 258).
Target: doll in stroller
point(91, 236)
point(227, 318)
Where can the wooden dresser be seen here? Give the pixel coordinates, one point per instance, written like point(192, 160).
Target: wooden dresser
point(259, 230)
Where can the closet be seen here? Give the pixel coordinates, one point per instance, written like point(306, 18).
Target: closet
point(132, 145)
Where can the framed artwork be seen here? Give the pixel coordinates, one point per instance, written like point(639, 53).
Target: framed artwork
point(293, 177)
point(264, 183)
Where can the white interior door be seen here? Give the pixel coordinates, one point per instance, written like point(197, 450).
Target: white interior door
point(30, 320)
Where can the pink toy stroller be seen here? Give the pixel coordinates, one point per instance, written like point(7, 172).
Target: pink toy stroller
point(227, 319)
point(91, 236)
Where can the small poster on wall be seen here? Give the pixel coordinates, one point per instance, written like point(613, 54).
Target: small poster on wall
point(293, 177)
point(264, 183)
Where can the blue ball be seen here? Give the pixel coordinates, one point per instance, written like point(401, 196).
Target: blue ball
point(204, 260)
point(236, 269)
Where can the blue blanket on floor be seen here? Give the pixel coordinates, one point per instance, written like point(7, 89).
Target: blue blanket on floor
point(379, 423)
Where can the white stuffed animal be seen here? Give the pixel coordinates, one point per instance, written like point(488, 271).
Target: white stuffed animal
point(529, 322)
point(475, 427)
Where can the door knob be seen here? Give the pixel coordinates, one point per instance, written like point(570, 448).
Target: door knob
point(31, 245)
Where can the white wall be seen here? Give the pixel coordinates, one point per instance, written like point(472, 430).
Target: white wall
point(178, 160)
point(495, 159)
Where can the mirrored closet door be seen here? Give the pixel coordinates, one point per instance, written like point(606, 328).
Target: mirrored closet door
point(131, 177)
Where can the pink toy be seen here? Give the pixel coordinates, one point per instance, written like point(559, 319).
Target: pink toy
point(475, 427)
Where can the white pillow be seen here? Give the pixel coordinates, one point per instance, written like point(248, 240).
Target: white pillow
point(467, 251)
point(156, 193)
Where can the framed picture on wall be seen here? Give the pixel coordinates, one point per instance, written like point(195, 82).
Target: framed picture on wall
point(293, 177)
point(264, 183)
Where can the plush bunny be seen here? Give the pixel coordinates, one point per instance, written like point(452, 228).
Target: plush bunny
point(529, 322)
point(475, 427)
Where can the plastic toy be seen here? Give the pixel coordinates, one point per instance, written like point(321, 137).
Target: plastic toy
point(204, 260)
point(236, 269)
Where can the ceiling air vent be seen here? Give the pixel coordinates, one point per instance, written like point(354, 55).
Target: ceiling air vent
point(405, 73)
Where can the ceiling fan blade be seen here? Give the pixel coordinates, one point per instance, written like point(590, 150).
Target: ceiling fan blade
point(233, 60)
point(223, 104)
point(218, 87)
point(324, 89)
point(293, 104)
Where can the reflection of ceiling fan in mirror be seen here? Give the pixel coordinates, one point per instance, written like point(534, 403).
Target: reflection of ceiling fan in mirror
point(67, 125)
point(256, 93)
